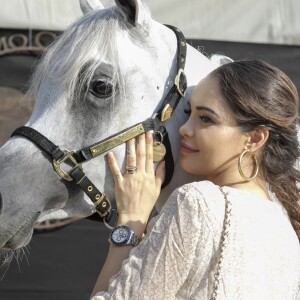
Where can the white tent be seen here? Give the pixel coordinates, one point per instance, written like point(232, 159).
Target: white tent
point(261, 21)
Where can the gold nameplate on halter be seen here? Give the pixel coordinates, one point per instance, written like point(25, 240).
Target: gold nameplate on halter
point(117, 140)
point(166, 113)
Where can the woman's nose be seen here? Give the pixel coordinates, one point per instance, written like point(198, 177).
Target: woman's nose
point(186, 129)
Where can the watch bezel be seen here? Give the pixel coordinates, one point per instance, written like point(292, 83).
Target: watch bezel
point(126, 240)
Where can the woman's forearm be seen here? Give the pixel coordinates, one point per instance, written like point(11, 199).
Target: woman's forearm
point(136, 193)
point(111, 267)
point(116, 256)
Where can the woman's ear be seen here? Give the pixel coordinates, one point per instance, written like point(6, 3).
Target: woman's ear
point(257, 138)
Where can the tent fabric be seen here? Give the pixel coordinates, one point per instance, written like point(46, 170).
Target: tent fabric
point(64, 264)
point(260, 21)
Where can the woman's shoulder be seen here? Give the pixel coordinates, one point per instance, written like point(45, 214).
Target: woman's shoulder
point(202, 196)
point(203, 188)
point(201, 191)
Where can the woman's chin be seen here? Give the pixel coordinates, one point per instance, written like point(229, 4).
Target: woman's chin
point(189, 168)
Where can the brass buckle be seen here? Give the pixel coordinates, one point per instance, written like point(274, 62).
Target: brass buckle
point(177, 82)
point(99, 200)
point(57, 165)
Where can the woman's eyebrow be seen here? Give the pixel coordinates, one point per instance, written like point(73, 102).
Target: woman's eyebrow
point(207, 109)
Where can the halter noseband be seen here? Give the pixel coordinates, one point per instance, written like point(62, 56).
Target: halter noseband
point(74, 159)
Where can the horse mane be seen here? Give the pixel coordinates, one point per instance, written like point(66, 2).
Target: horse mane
point(71, 60)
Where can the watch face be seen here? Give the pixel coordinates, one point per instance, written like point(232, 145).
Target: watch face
point(120, 235)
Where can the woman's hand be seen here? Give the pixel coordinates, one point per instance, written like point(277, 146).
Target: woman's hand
point(136, 192)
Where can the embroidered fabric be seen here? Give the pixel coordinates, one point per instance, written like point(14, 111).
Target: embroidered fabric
point(178, 256)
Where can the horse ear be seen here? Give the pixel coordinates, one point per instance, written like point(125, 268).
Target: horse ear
point(133, 11)
point(90, 5)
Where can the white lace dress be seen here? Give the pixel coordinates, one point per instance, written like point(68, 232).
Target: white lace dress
point(177, 258)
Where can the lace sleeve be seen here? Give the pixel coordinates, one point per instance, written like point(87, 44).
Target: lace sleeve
point(158, 267)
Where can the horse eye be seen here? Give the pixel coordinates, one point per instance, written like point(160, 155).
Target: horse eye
point(102, 89)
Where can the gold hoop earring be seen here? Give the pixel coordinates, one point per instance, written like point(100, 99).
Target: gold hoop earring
point(240, 166)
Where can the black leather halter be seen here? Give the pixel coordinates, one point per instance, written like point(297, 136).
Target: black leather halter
point(75, 159)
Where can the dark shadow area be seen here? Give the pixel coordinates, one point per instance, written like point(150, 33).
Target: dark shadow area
point(61, 265)
point(286, 58)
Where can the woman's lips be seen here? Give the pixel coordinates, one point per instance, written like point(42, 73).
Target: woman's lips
point(184, 148)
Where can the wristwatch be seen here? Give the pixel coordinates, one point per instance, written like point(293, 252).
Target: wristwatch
point(123, 236)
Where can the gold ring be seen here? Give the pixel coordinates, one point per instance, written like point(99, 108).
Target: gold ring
point(131, 169)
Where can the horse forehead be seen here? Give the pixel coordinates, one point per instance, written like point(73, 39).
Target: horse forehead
point(140, 54)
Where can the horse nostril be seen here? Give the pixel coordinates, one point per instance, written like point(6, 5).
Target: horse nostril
point(7, 246)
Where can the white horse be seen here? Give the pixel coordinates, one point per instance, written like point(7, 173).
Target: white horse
point(109, 70)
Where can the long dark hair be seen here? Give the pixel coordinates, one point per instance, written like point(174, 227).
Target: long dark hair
point(261, 94)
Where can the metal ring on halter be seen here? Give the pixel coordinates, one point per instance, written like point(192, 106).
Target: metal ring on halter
point(106, 224)
point(130, 169)
point(160, 135)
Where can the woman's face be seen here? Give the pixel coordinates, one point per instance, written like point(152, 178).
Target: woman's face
point(211, 141)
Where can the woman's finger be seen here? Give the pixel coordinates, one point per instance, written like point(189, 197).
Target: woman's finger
point(114, 168)
point(130, 154)
point(149, 152)
point(141, 153)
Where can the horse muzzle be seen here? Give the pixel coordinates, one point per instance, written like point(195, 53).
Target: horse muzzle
point(22, 236)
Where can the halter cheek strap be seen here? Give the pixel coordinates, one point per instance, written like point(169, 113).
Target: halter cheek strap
point(101, 203)
point(68, 164)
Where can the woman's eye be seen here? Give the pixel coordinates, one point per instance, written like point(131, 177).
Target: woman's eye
point(206, 119)
point(102, 89)
point(187, 111)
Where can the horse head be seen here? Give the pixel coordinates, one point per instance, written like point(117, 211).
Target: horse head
point(108, 70)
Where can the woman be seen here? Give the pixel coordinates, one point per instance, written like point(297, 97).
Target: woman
point(234, 236)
